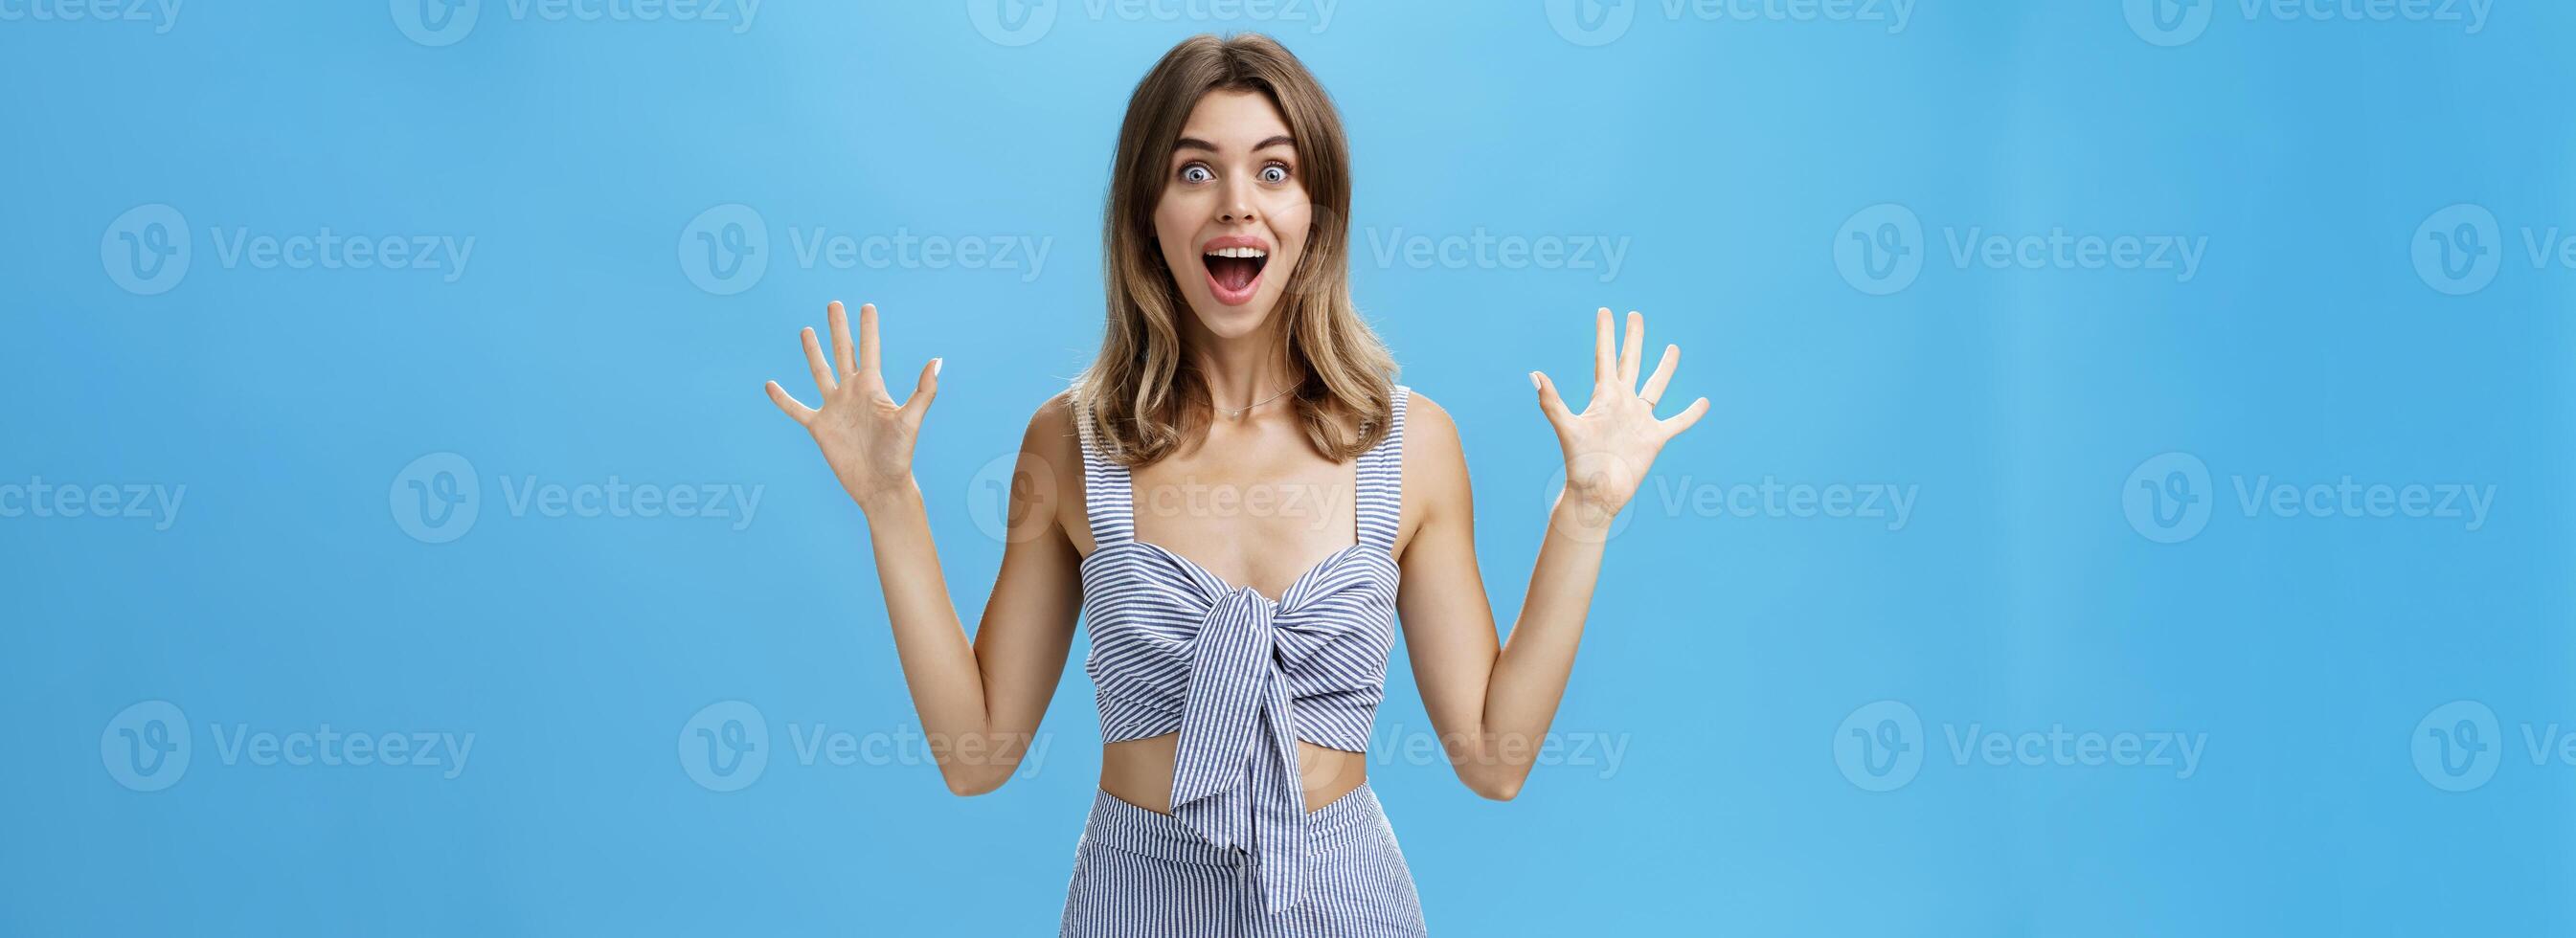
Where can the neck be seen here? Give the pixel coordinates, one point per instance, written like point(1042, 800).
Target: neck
point(1242, 371)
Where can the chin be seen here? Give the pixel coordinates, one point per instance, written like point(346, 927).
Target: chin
point(1232, 322)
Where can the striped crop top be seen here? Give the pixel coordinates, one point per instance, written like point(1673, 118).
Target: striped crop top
point(1241, 677)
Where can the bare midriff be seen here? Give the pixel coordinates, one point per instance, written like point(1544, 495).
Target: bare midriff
point(1139, 772)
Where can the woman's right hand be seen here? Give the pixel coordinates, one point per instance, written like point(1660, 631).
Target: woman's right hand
point(863, 433)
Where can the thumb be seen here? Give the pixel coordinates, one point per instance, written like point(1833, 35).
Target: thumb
point(923, 391)
point(1548, 402)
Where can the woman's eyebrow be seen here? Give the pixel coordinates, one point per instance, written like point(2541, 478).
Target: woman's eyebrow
point(1194, 143)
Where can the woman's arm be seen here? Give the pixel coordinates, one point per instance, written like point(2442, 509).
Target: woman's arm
point(980, 702)
point(1492, 702)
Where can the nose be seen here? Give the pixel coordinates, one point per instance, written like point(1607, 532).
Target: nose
point(1237, 206)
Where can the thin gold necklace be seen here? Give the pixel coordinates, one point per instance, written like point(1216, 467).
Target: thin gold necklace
point(1236, 413)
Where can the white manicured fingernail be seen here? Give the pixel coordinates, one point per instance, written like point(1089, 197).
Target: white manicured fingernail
point(934, 366)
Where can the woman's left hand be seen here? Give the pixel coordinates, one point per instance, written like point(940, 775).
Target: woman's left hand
point(1610, 444)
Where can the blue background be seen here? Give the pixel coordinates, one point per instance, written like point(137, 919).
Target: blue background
point(1725, 650)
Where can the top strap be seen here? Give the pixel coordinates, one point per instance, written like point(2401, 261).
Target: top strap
point(1108, 495)
point(1381, 479)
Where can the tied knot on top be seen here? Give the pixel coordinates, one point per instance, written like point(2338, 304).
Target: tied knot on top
point(1234, 776)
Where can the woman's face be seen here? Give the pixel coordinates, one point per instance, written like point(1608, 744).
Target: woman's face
point(1233, 214)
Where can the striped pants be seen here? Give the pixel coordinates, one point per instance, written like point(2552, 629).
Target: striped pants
point(1140, 874)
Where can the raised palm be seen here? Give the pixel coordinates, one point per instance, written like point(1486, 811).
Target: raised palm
point(863, 433)
point(1610, 444)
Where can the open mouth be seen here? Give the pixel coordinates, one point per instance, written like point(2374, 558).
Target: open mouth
point(1233, 272)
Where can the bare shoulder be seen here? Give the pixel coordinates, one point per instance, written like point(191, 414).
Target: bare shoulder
point(1049, 476)
point(1435, 464)
point(1430, 437)
point(1053, 439)
point(1054, 419)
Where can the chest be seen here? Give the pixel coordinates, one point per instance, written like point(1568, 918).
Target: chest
point(1254, 512)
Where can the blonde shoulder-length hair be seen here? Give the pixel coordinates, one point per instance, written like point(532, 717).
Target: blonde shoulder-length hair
point(1142, 396)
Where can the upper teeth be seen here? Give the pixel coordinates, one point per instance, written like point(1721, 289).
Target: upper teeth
point(1240, 252)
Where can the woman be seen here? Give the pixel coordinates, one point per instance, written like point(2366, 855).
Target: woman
point(1237, 675)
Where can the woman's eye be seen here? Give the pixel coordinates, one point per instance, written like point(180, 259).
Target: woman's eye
point(1274, 174)
point(1196, 173)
